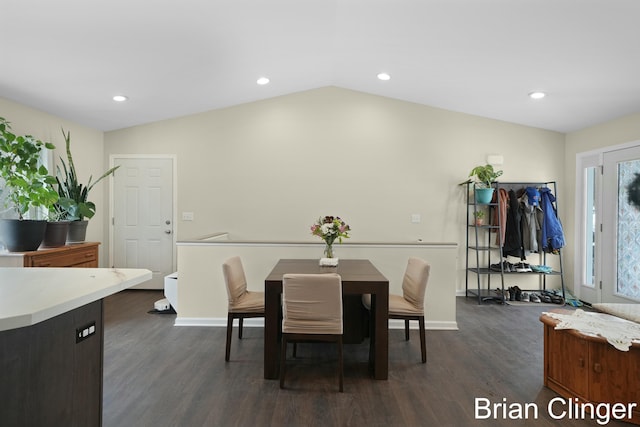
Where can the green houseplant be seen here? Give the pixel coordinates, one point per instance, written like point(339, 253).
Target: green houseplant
point(27, 184)
point(483, 176)
point(73, 203)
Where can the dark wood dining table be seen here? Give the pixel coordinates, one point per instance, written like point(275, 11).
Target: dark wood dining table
point(359, 276)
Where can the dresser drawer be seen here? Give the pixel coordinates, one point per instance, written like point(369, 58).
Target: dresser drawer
point(80, 255)
point(65, 259)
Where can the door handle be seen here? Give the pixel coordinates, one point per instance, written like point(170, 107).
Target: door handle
point(167, 231)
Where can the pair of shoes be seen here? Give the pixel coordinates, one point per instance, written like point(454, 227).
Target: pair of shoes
point(554, 297)
point(504, 294)
point(534, 298)
point(503, 266)
point(522, 267)
point(541, 268)
point(515, 293)
point(545, 298)
point(524, 297)
point(508, 267)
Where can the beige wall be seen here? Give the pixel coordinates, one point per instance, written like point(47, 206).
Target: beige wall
point(615, 132)
point(87, 149)
point(268, 169)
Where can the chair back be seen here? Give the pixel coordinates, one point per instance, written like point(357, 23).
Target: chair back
point(415, 281)
point(312, 304)
point(235, 279)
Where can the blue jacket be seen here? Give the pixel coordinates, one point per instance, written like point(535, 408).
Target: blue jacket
point(552, 234)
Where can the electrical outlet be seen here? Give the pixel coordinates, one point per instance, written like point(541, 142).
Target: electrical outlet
point(187, 216)
point(84, 332)
point(415, 218)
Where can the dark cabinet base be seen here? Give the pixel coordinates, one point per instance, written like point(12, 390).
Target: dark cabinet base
point(50, 375)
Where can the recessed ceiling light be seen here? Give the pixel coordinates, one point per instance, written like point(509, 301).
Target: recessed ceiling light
point(384, 76)
point(262, 81)
point(537, 95)
point(120, 98)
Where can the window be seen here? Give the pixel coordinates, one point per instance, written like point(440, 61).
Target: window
point(588, 183)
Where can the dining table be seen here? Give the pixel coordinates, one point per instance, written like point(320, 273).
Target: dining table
point(359, 277)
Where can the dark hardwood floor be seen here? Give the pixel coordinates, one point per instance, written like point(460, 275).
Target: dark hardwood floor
point(156, 374)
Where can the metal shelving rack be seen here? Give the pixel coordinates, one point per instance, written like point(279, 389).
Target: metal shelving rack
point(479, 243)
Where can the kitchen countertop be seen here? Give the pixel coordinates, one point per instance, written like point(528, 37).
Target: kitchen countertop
point(32, 295)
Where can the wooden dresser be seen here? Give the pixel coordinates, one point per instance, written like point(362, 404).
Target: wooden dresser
point(588, 368)
point(77, 255)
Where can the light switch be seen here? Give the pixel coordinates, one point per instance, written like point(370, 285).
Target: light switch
point(415, 218)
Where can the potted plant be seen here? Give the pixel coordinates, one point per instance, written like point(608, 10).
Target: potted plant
point(73, 196)
point(55, 234)
point(27, 185)
point(479, 216)
point(484, 177)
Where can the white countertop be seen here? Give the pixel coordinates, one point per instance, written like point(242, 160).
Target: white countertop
point(32, 295)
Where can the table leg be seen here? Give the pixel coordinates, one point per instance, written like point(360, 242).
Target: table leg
point(271, 332)
point(380, 336)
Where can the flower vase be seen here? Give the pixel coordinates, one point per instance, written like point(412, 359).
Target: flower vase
point(328, 250)
point(329, 260)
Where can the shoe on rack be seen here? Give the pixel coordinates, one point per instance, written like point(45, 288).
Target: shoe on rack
point(508, 267)
point(545, 298)
point(557, 299)
point(503, 266)
point(517, 293)
point(534, 298)
point(555, 296)
point(523, 267)
point(524, 297)
point(495, 267)
point(541, 268)
point(512, 293)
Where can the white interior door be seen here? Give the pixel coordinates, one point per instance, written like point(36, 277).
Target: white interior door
point(620, 233)
point(143, 232)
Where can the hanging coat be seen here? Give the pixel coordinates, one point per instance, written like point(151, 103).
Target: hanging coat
point(513, 234)
point(531, 220)
point(502, 198)
point(552, 234)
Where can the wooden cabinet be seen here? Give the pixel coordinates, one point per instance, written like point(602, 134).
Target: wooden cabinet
point(78, 255)
point(590, 369)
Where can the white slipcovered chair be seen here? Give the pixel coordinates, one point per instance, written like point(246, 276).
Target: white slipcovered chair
point(410, 305)
point(242, 302)
point(311, 311)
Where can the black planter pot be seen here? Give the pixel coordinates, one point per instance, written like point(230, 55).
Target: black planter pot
point(55, 234)
point(22, 235)
point(77, 231)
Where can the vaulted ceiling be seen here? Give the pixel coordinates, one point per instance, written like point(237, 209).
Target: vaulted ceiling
point(173, 58)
